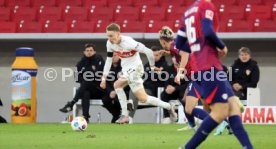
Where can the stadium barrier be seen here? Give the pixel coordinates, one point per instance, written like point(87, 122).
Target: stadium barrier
point(259, 115)
point(253, 97)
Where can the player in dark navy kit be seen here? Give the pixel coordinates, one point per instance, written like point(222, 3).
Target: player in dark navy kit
point(166, 38)
point(199, 33)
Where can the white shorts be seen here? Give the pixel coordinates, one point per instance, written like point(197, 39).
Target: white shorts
point(134, 77)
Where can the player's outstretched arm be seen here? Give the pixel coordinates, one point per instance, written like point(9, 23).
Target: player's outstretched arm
point(184, 51)
point(210, 34)
point(184, 60)
point(181, 39)
point(107, 66)
point(148, 52)
point(182, 44)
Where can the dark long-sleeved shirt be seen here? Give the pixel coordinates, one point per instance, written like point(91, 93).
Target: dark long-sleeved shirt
point(92, 64)
point(246, 74)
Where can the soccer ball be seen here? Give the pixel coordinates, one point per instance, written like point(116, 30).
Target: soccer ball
point(79, 124)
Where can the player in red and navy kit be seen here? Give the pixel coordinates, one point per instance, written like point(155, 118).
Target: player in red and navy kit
point(166, 38)
point(199, 33)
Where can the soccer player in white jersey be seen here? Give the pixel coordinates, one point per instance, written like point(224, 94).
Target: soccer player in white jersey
point(132, 70)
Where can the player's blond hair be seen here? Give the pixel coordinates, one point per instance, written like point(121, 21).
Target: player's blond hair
point(166, 33)
point(113, 27)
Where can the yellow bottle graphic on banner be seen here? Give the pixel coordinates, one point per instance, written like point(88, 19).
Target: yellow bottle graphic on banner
point(24, 71)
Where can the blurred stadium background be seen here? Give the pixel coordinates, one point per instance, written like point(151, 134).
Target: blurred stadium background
point(58, 29)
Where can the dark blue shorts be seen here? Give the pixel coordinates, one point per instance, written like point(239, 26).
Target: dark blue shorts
point(194, 89)
point(212, 90)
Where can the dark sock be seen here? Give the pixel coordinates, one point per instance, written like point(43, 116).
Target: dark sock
point(199, 113)
point(190, 118)
point(239, 131)
point(201, 134)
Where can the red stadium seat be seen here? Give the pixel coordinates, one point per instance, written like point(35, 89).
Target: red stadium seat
point(11, 3)
point(176, 25)
point(23, 13)
point(63, 3)
point(49, 13)
point(29, 27)
point(274, 12)
point(223, 3)
point(152, 13)
point(139, 3)
point(188, 2)
point(2, 3)
point(7, 27)
point(74, 13)
point(223, 26)
point(91, 3)
point(232, 12)
point(115, 3)
point(269, 2)
point(38, 3)
point(175, 13)
point(100, 13)
point(133, 26)
point(244, 2)
point(126, 13)
point(100, 26)
point(54, 27)
point(156, 26)
point(239, 26)
point(265, 26)
point(172, 2)
point(5, 14)
point(81, 27)
point(258, 12)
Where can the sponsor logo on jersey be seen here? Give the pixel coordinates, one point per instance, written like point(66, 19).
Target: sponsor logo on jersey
point(209, 14)
point(125, 54)
point(248, 72)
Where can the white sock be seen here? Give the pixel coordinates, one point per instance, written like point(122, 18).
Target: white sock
point(123, 100)
point(157, 102)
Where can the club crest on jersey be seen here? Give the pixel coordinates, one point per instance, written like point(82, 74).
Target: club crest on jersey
point(248, 72)
point(224, 96)
point(93, 67)
point(209, 14)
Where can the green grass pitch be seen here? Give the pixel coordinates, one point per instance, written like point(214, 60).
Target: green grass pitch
point(111, 136)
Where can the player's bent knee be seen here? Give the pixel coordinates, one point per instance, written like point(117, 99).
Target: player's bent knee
point(191, 102)
point(219, 111)
point(234, 108)
point(142, 98)
point(219, 117)
point(118, 84)
point(141, 95)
